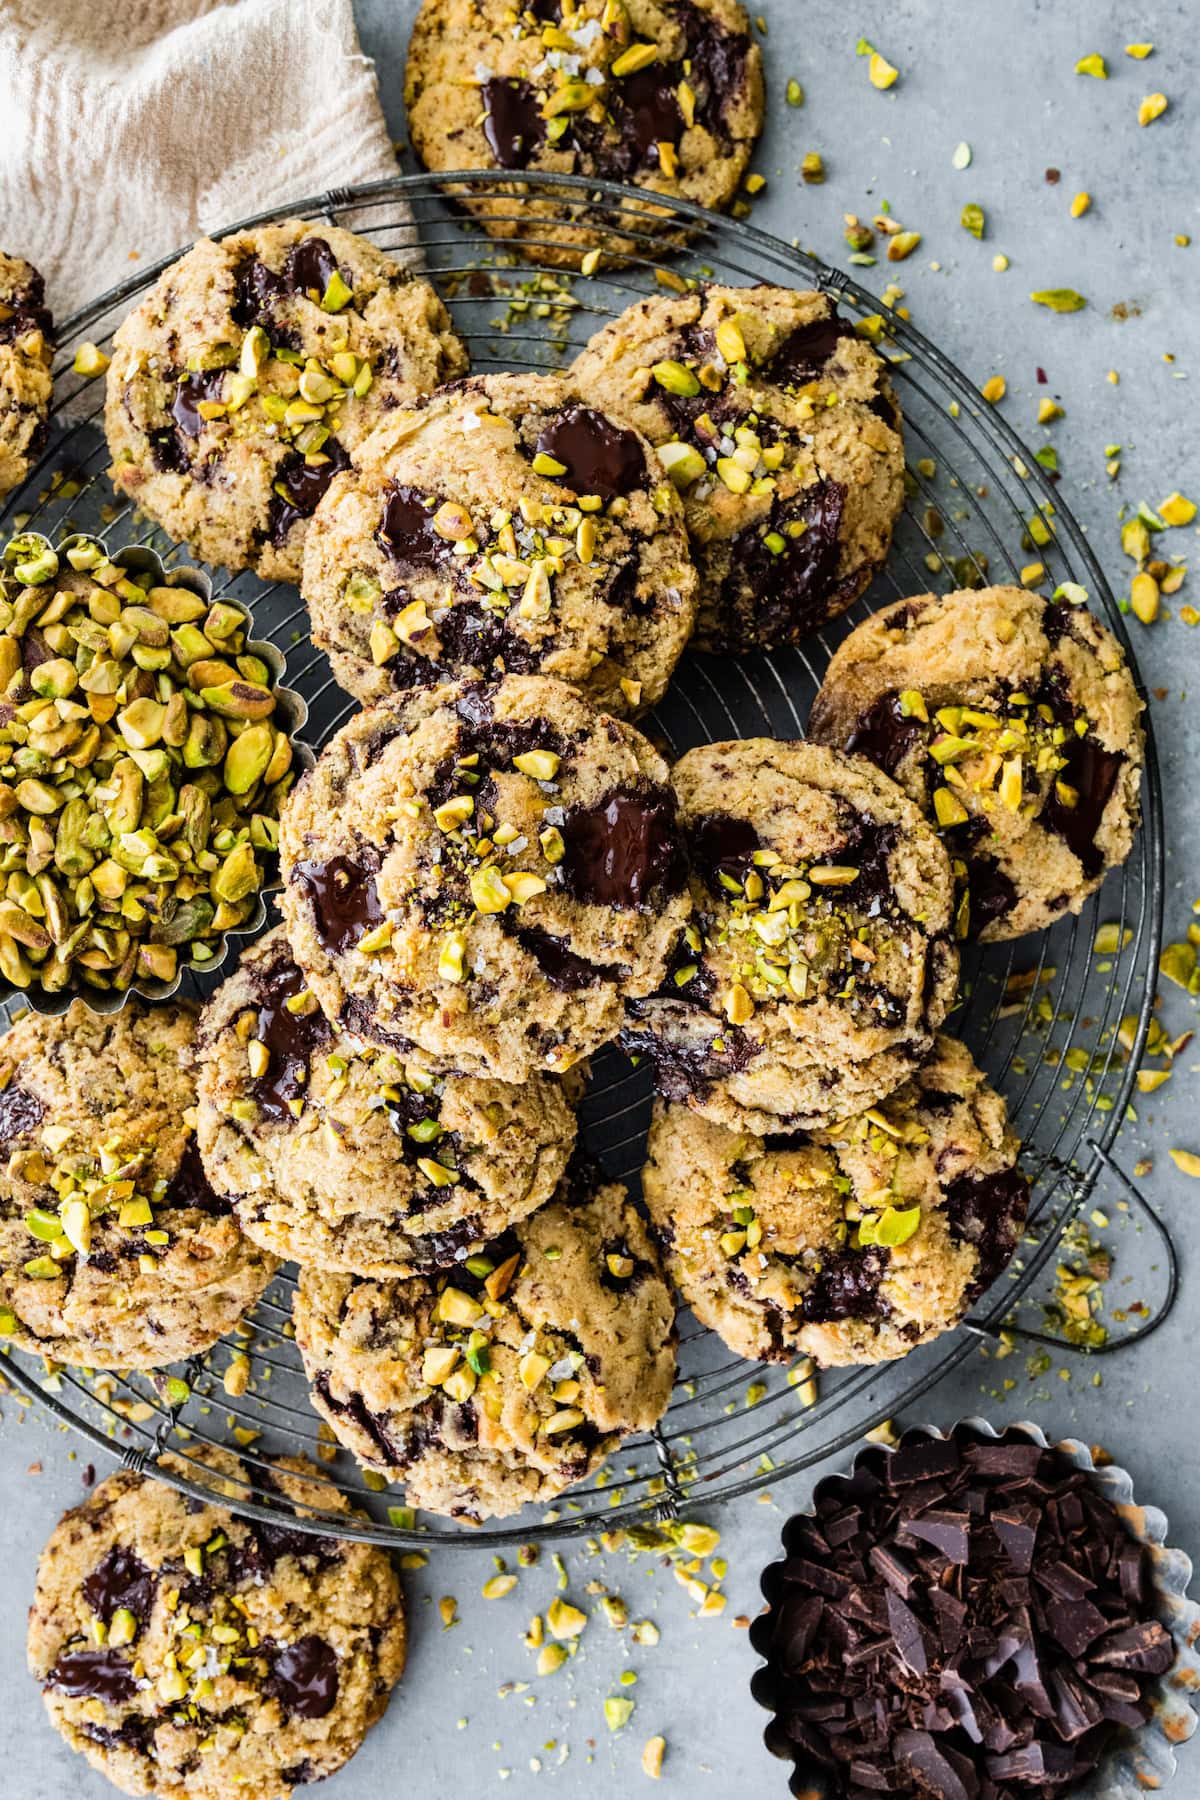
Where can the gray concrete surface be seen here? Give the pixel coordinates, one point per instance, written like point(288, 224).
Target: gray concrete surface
point(997, 74)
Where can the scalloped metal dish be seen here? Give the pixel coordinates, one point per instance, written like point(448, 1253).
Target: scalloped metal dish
point(292, 714)
point(1137, 1762)
point(965, 465)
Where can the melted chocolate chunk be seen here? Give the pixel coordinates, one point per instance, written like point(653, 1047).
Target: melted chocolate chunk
point(599, 457)
point(989, 1212)
point(406, 532)
point(868, 848)
point(1092, 772)
point(991, 894)
point(682, 1067)
point(719, 843)
point(304, 1678)
point(343, 896)
point(559, 964)
point(205, 384)
point(167, 453)
point(884, 735)
point(803, 354)
point(305, 485)
point(355, 1408)
point(717, 60)
point(846, 1286)
point(623, 850)
point(644, 112)
point(292, 1040)
point(256, 289)
point(310, 267)
point(93, 1675)
point(120, 1579)
point(775, 599)
point(20, 1114)
point(28, 311)
point(513, 123)
point(190, 1186)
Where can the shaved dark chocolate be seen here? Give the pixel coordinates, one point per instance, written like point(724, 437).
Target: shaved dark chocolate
point(951, 1623)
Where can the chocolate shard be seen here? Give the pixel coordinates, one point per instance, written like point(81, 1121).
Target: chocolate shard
point(948, 1532)
point(923, 1460)
point(1148, 1648)
point(942, 1773)
point(1076, 1624)
point(912, 1640)
point(1038, 1763)
point(895, 1569)
point(1017, 1529)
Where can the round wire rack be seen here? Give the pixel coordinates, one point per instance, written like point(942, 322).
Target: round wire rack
point(1058, 1028)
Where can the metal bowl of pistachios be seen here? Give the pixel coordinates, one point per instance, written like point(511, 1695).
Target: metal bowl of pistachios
point(147, 744)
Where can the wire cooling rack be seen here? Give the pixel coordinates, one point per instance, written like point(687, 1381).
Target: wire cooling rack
point(1040, 1015)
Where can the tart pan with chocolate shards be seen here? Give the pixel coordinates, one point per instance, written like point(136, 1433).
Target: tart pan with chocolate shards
point(244, 379)
point(977, 1616)
point(850, 1245)
point(510, 1377)
point(504, 526)
point(664, 94)
point(355, 1159)
point(1015, 724)
point(485, 873)
point(114, 1250)
point(818, 964)
point(780, 428)
point(192, 1653)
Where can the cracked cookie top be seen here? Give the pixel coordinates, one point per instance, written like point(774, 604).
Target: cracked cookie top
point(355, 1159)
point(779, 426)
point(510, 1377)
point(114, 1250)
point(244, 379)
point(191, 1653)
point(818, 963)
point(26, 352)
point(1014, 722)
point(505, 526)
point(664, 94)
point(853, 1244)
point(484, 872)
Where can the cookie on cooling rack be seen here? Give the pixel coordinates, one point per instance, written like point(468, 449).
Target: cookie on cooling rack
point(504, 526)
point(779, 426)
point(819, 961)
point(26, 349)
point(510, 1377)
point(244, 379)
point(484, 872)
point(114, 1250)
point(664, 94)
point(853, 1244)
point(193, 1654)
point(355, 1159)
point(1014, 722)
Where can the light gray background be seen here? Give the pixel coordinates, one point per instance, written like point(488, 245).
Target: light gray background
point(998, 74)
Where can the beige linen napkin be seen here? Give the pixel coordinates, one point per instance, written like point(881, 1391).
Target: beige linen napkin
point(130, 127)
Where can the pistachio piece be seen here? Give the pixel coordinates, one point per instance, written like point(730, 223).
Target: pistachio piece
point(240, 700)
point(247, 758)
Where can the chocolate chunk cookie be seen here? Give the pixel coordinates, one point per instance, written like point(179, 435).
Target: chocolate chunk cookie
point(850, 1245)
point(26, 350)
point(114, 1250)
point(664, 94)
point(819, 962)
point(1014, 722)
point(197, 1655)
point(484, 873)
point(510, 1378)
point(356, 1159)
point(780, 429)
point(251, 370)
point(505, 526)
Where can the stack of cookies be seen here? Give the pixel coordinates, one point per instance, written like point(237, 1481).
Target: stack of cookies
point(492, 872)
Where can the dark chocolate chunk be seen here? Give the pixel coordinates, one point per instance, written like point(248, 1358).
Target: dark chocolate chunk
point(513, 123)
point(942, 1774)
point(599, 457)
point(1091, 773)
point(989, 1212)
point(93, 1675)
point(304, 1678)
point(949, 1532)
point(120, 1579)
point(310, 267)
point(406, 533)
point(804, 353)
point(770, 597)
point(885, 735)
point(1148, 1649)
point(846, 1286)
point(624, 850)
point(719, 842)
point(292, 1040)
point(204, 384)
point(560, 965)
point(304, 485)
point(343, 896)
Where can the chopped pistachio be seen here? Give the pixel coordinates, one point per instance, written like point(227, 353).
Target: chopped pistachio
point(972, 219)
point(1092, 65)
point(1152, 107)
point(1060, 300)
